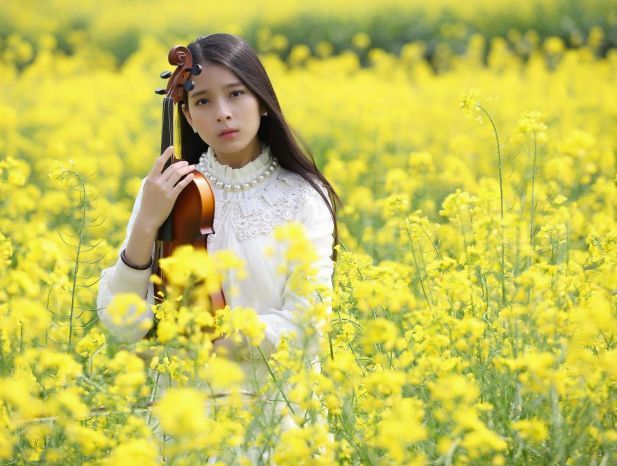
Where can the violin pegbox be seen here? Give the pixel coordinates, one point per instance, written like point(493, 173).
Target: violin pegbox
point(179, 81)
point(195, 70)
point(164, 75)
point(189, 85)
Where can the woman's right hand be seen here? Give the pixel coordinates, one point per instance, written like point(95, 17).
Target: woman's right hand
point(161, 191)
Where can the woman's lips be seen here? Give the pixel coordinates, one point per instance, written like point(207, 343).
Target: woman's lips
point(229, 134)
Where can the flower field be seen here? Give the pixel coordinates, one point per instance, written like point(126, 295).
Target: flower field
point(474, 315)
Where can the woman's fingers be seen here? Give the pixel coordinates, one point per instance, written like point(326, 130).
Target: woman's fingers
point(169, 171)
point(163, 187)
point(182, 184)
point(177, 171)
point(157, 168)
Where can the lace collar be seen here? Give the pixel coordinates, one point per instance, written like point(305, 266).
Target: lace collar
point(243, 174)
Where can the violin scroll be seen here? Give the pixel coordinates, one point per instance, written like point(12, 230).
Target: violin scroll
point(179, 81)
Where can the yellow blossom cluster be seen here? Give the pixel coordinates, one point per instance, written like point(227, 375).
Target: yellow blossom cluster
point(473, 319)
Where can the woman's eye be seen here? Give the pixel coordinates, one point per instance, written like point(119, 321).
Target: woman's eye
point(202, 100)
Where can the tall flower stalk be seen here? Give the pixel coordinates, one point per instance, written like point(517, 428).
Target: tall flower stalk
point(502, 223)
point(472, 106)
point(75, 181)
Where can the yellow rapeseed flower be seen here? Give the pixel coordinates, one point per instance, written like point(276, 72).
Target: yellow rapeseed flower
point(401, 426)
point(140, 450)
point(222, 373)
point(533, 430)
point(126, 308)
point(241, 321)
point(182, 412)
point(361, 40)
point(6, 250)
point(87, 440)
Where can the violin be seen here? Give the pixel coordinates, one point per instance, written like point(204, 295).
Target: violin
point(191, 218)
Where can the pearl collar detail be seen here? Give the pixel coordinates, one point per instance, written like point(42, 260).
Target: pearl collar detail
point(211, 168)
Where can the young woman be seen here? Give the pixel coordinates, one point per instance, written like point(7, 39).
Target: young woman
point(234, 132)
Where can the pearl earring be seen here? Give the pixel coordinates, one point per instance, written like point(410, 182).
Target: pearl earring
point(264, 114)
point(194, 130)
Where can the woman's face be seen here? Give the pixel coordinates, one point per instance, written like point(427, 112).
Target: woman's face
point(220, 101)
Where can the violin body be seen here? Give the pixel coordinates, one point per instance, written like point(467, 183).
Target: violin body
point(191, 219)
point(194, 206)
point(191, 224)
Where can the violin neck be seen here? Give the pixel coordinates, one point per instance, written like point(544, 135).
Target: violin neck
point(167, 133)
point(167, 139)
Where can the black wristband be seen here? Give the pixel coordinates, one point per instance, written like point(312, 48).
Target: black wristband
point(133, 266)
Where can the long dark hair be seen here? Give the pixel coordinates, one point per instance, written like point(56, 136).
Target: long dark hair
point(238, 56)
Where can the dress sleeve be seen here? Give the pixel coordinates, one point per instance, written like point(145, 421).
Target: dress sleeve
point(319, 227)
point(120, 278)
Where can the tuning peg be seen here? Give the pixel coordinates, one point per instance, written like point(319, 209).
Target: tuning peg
point(189, 85)
point(160, 91)
point(165, 74)
point(196, 69)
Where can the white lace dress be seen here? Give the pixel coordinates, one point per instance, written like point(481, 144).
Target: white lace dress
point(243, 223)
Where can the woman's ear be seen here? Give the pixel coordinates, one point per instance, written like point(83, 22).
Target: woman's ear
point(262, 108)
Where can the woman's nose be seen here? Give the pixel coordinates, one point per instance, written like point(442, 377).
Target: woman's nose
point(223, 112)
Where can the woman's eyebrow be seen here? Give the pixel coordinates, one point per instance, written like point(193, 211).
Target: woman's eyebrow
point(205, 91)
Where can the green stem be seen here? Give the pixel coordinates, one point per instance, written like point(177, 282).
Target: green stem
point(428, 285)
point(355, 356)
point(467, 256)
point(78, 252)
point(153, 397)
point(276, 382)
point(533, 183)
point(413, 252)
point(432, 242)
point(503, 262)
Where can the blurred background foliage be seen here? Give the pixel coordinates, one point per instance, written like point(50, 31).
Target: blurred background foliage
point(322, 27)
